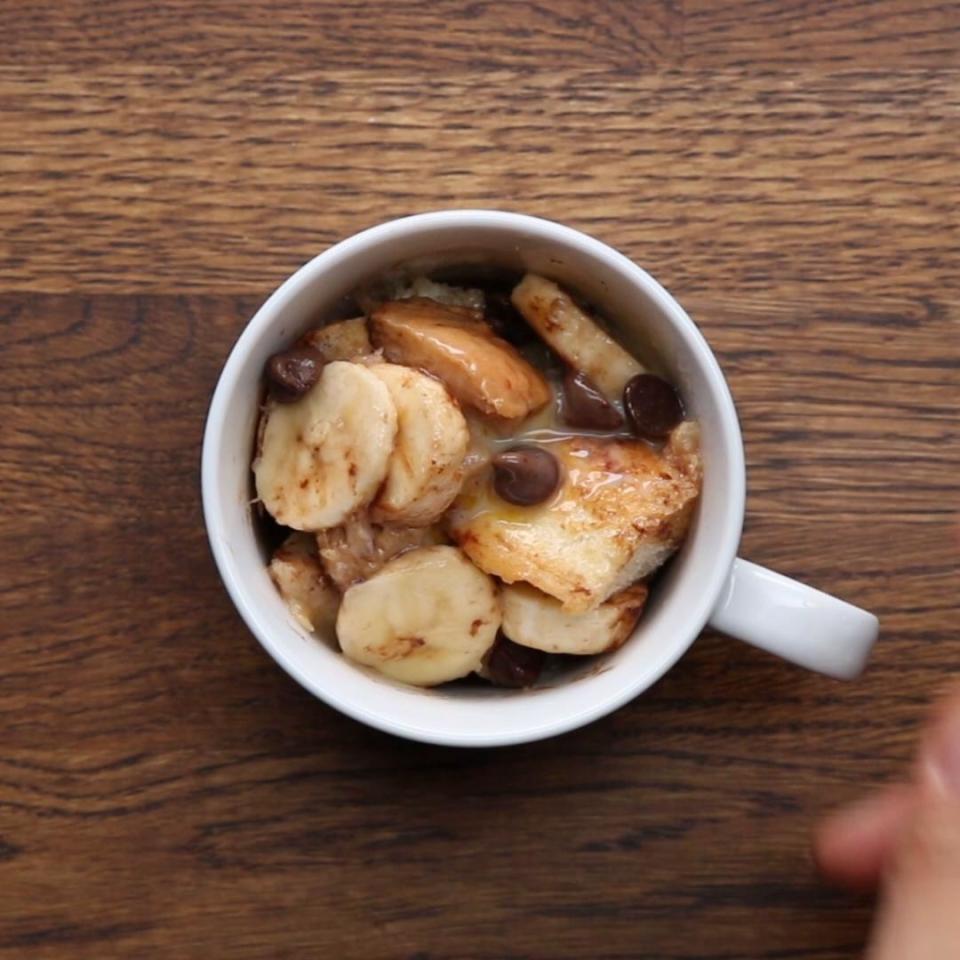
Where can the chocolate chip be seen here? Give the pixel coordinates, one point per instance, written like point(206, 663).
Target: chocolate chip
point(652, 405)
point(585, 406)
point(506, 319)
point(293, 372)
point(510, 665)
point(525, 475)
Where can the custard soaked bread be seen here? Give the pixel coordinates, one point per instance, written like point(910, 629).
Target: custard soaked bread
point(621, 510)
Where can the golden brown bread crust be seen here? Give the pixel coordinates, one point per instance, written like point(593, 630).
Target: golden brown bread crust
point(344, 340)
point(621, 510)
point(357, 550)
point(296, 571)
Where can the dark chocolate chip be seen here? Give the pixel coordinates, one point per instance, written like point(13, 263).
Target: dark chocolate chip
point(510, 665)
point(293, 372)
point(585, 406)
point(652, 406)
point(525, 475)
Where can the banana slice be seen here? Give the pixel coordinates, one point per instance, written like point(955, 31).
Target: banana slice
point(426, 467)
point(566, 328)
point(427, 617)
point(344, 340)
point(533, 619)
point(296, 571)
point(454, 344)
point(326, 455)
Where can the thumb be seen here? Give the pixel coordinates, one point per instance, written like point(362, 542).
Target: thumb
point(919, 915)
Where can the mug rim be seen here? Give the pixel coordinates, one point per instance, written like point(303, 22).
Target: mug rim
point(388, 232)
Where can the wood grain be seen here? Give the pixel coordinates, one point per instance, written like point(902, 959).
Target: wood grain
point(790, 171)
point(715, 181)
point(430, 39)
point(770, 34)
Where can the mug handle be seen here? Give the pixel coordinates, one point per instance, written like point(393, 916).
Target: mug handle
point(794, 621)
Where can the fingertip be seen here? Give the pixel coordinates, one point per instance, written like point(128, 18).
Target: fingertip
point(851, 846)
point(939, 759)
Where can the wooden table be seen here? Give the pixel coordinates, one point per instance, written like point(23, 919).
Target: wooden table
point(790, 170)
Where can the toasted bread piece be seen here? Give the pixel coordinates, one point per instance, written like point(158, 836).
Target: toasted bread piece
point(296, 571)
point(454, 344)
point(621, 510)
point(401, 286)
point(575, 336)
point(357, 550)
point(442, 293)
point(682, 450)
point(344, 340)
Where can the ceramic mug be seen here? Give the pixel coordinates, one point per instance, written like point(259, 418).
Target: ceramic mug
point(706, 583)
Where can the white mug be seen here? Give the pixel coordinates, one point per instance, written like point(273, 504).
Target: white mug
point(706, 583)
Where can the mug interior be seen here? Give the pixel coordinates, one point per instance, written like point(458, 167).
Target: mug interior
point(643, 317)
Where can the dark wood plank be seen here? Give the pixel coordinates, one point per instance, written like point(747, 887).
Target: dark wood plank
point(786, 186)
point(822, 34)
point(382, 35)
point(170, 793)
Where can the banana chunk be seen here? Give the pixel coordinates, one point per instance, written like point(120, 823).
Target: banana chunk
point(621, 510)
point(533, 619)
point(427, 617)
point(425, 471)
point(356, 550)
point(577, 338)
point(344, 340)
point(454, 344)
point(296, 571)
point(326, 455)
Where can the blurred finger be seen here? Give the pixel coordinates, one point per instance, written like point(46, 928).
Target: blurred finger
point(852, 846)
point(939, 760)
point(919, 916)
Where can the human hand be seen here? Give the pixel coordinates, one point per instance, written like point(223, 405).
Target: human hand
point(905, 840)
